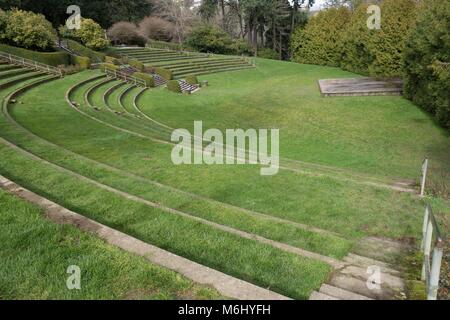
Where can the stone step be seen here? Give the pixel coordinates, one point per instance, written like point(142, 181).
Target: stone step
point(365, 263)
point(341, 293)
point(321, 296)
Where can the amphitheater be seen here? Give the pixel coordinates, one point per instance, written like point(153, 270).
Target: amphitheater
point(97, 150)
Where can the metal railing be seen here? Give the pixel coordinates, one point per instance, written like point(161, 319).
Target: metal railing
point(432, 264)
point(423, 179)
point(10, 58)
point(125, 77)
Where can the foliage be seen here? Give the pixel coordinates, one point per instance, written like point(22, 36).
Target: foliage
point(26, 30)
point(386, 46)
point(90, 34)
point(51, 58)
point(109, 66)
point(174, 86)
point(165, 73)
point(427, 58)
point(191, 79)
point(126, 33)
point(320, 41)
point(112, 60)
point(136, 64)
point(157, 28)
point(267, 53)
point(146, 77)
point(83, 62)
point(78, 48)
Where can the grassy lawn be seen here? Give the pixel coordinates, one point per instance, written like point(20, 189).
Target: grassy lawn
point(36, 253)
point(388, 139)
point(384, 136)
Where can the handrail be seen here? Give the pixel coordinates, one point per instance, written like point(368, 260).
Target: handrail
point(423, 179)
point(125, 77)
point(431, 267)
point(30, 64)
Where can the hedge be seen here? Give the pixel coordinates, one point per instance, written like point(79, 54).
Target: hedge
point(136, 64)
point(191, 79)
point(51, 58)
point(112, 60)
point(427, 60)
point(165, 73)
point(109, 66)
point(83, 62)
point(146, 77)
point(85, 51)
point(320, 42)
point(174, 86)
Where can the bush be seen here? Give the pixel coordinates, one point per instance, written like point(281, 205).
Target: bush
point(208, 38)
point(126, 33)
point(387, 45)
point(83, 62)
point(146, 77)
point(26, 29)
point(191, 79)
point(241, 47)
point(427, 50)
point(136, 64)
point(109, 66)
point(165, 73)
point(267, 53)
point(174, 86)
point(51, 58)
point(90, 34)
point(320, 42)
point(112, 60)
point(84, 51)
point(157, 29)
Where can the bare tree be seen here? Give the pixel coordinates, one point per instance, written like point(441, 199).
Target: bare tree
point(157, 28)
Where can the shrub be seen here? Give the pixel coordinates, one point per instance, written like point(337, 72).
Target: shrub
point(165, 73)
point(356, 56)
point(83, 62)
point(51, 58)
point(126, 33)
point(26, 29)
point(90, 34)
point(320, 42)
point(174, 86)
point(112, 60)
point(3, 24)
point(109, 66)
point(157, 29)
point(386, 46)
point(427, 76)
point(241, 47)
point(267, 53)
point(136, 64)
point(78, 48)
point(191, 79)
point(146, 77)
point(208, 38)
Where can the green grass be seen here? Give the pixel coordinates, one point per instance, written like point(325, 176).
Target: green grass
point(36, 253)
point(382, 136)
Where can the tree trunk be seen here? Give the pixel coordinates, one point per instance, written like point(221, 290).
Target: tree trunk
point(222, 6)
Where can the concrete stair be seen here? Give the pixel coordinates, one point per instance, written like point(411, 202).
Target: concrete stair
point(367, 278)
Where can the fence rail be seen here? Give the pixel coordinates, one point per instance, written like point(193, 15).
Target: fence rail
point(432, 263)
point(125, 77)
point(423, 179)
point(30, 64)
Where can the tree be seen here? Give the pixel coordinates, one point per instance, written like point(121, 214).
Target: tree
point(157, 28)
point(427, 60)
point(27, 30)
point(90, 34)
point(320, 42)
point(125, 33)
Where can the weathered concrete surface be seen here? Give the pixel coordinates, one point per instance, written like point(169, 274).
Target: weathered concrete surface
point(341, 293)
point(321, 296)
point(360, 87)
